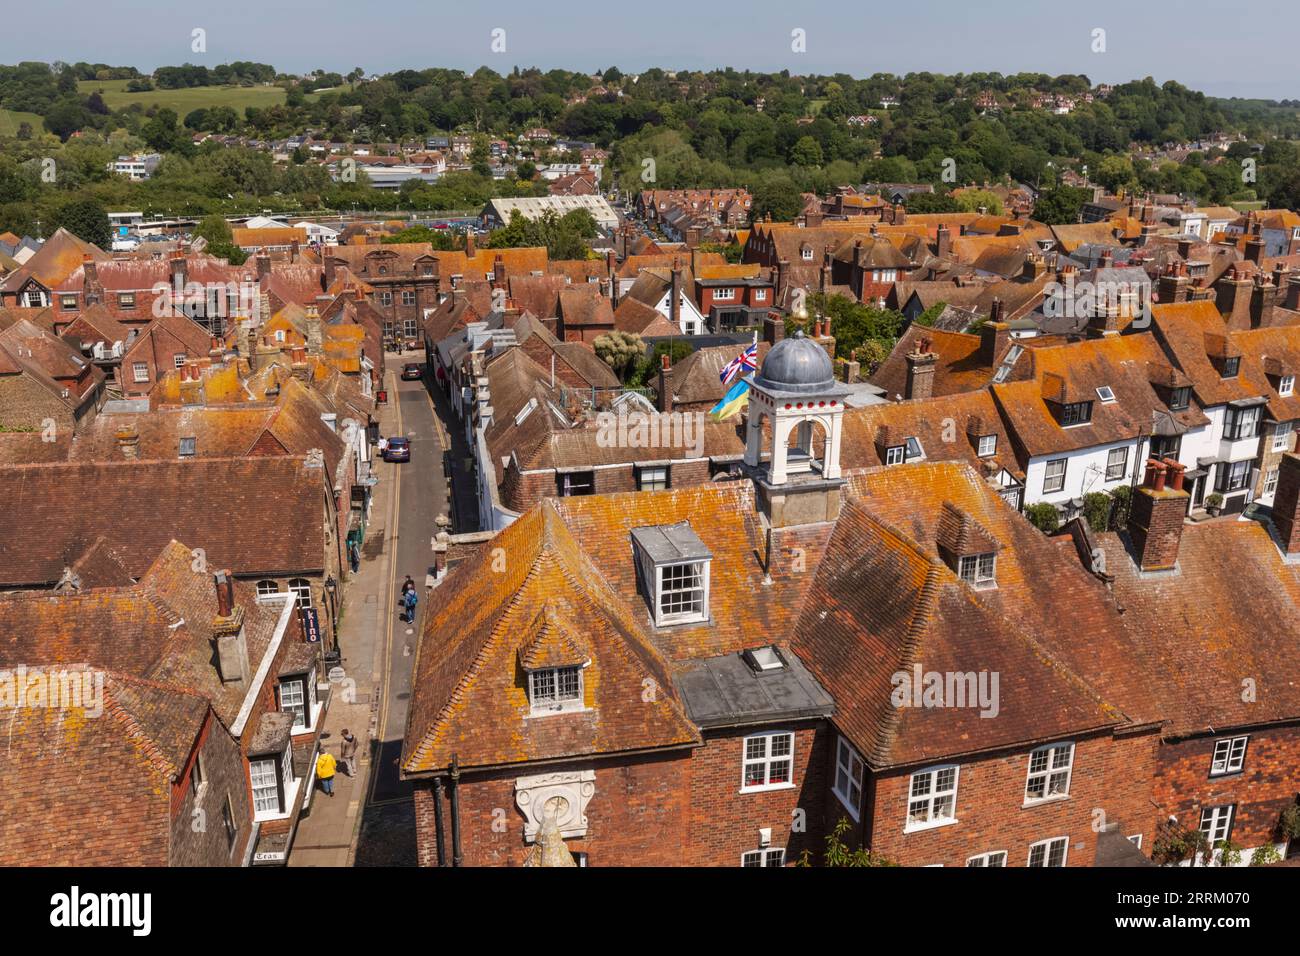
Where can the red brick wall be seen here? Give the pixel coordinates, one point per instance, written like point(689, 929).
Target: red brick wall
point(1110, 775)
point(637, 817)
point(725, 822)
point(1267, 784)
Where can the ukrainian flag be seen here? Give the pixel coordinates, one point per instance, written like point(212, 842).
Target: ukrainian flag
point(737, 397)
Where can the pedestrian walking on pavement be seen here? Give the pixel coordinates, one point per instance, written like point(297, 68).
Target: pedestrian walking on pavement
point(354, 556)
point(325, 771)
point(411, 600)
point(348, 753)
point(407, 585)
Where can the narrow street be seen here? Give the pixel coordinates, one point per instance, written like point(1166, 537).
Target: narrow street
point(379, 647)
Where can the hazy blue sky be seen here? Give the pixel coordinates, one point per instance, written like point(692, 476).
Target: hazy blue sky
point(1247, 49)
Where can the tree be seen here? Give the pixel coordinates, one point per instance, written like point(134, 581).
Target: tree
point(86, 219)
point(839, 854)
point(777, 196)
point(1115, 173)
point(220, 240)
point(1044, 516)
point(806, 152)
point(619, 350)
point(1060, 205)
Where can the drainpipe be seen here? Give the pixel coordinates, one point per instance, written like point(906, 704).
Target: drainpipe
point(437, 821)
point(454, 797)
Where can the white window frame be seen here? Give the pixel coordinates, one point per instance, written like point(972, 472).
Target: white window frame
point(849, 767)
point(1047, 846)
point(297, 704)
point(229, 822)
point(657, 475)
point(178, 360)
point(988, 446)
point(408, 297)
point(1281, 436)
point(664, 618)
point(1048, 489)
point(1270, 481)
point(126, 300)
point(980, 571)
point(1229, 756)
point(267, 588)
point(1122, 464)
point(726, 293)
point(1215, 820)
point(986, 859)
point(765, 856)
point(258, 771)
point(1286, 385)
point(1050, 771)
point(139, 372)
point(300, 588)
point(760, 295)
point(895, 454)
point(546, 695)
point(765, 760)
point(931, 797)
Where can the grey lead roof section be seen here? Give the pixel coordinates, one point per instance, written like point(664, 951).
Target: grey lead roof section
point(726, 692)
point(671, 544)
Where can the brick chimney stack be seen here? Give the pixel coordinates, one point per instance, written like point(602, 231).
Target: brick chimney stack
point(1286, 501)
point(942, 241)
point(1173, 283)
point(228, 631)
point(263, 263)
point(995, 335)
point(920, 370)
point(1263, 297)
point(471, 250)
point(1155, 523)
point(1254, 245)
point(92, 290)
point(1292, 301)
point(315, 340)
point(499, 272)
point(1232, 297)
point(179, 272)
point(128, 442)
point(664, 398)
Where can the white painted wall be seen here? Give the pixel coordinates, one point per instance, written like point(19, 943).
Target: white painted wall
point(1085, 471)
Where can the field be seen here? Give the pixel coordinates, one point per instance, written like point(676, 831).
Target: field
point(10, 120)
point(186, 100)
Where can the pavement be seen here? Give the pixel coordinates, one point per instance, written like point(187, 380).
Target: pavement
point(370, 819)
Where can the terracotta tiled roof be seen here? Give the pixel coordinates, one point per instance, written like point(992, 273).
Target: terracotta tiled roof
point(84, 789)
point(1228, 614)
point(58, 257)
point(224, 506)
point(958, 368)
point(869, 595)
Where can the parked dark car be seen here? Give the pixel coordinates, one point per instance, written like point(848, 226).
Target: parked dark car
point(399, 449)
point(412, 371)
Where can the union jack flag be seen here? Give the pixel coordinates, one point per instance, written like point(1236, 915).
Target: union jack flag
point(747, 360)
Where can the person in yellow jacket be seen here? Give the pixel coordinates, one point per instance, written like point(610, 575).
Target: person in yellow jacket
point(325, 771)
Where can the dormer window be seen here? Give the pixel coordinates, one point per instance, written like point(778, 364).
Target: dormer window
point(1180, 398)
point(978, 570)
point(1231, 366)
point(1286, 385)
point(555, 689)
point(674, 572)
point(988, 446)
point(1076, 413)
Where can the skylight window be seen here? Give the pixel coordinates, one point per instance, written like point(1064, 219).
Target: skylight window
point(765, 659)
point(1106, 394)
